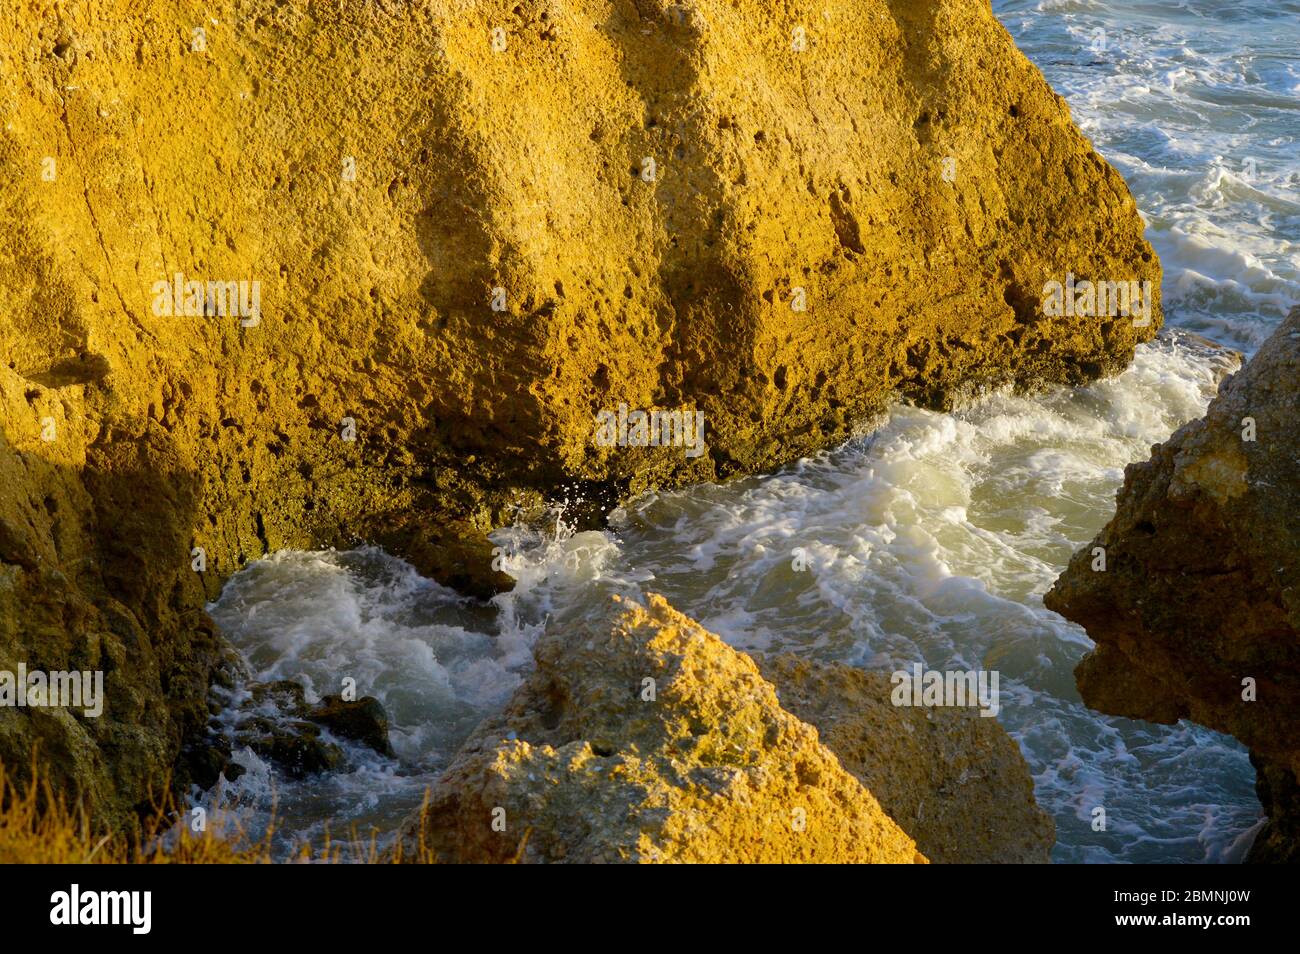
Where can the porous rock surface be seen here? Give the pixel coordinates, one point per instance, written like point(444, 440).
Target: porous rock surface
point(1197, 613)
point(951, 778)
point(642, 737)
point(382, 169)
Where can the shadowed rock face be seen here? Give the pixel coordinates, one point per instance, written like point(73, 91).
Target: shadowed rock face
point(1201, 590)
point(795, 251)
point(642, 737)
point(952, 779)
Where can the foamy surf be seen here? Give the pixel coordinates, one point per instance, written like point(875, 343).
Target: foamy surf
point(1194, 103)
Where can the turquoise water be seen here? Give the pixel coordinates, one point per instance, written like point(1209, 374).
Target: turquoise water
point(931, 539)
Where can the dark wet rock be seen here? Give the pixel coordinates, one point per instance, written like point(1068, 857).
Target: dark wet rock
point(1197, 612)
point(203, 762)
point(280, 725)
point(296, 747)
point(364, 721)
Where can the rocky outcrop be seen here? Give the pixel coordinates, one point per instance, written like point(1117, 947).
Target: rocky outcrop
point(1196, 614)
point(952, 779)
point(94, 577)
point(644, 738)
point(278, 724)
point(433, 241)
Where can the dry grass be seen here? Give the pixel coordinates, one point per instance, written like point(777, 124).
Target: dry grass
point(38, 827)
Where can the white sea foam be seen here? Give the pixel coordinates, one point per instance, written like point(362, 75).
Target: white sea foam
point(436, 661)
point(1194, 102)
point(933, 541)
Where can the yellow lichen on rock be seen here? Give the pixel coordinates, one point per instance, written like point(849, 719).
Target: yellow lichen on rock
point(1220, 472)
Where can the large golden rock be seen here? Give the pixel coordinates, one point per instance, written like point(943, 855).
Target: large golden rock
point(950, 777)
point(642, 737)
point(456, 232)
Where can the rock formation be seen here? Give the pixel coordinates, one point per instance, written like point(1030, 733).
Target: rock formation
point(432, 242)
point(277, 723)
point(642, 737)
point(952, 779)
point(1197, 612)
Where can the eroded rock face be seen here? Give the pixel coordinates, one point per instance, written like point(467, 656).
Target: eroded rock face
point(385, 173)
point(952, 779)
point(642, 737)
point(1201, 590)
point(584, 765)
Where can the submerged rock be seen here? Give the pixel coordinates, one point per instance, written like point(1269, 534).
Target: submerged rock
point(278, 723)
point(642, 737)
point(307, 274)
point(295, 746)
point(1196, 614)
